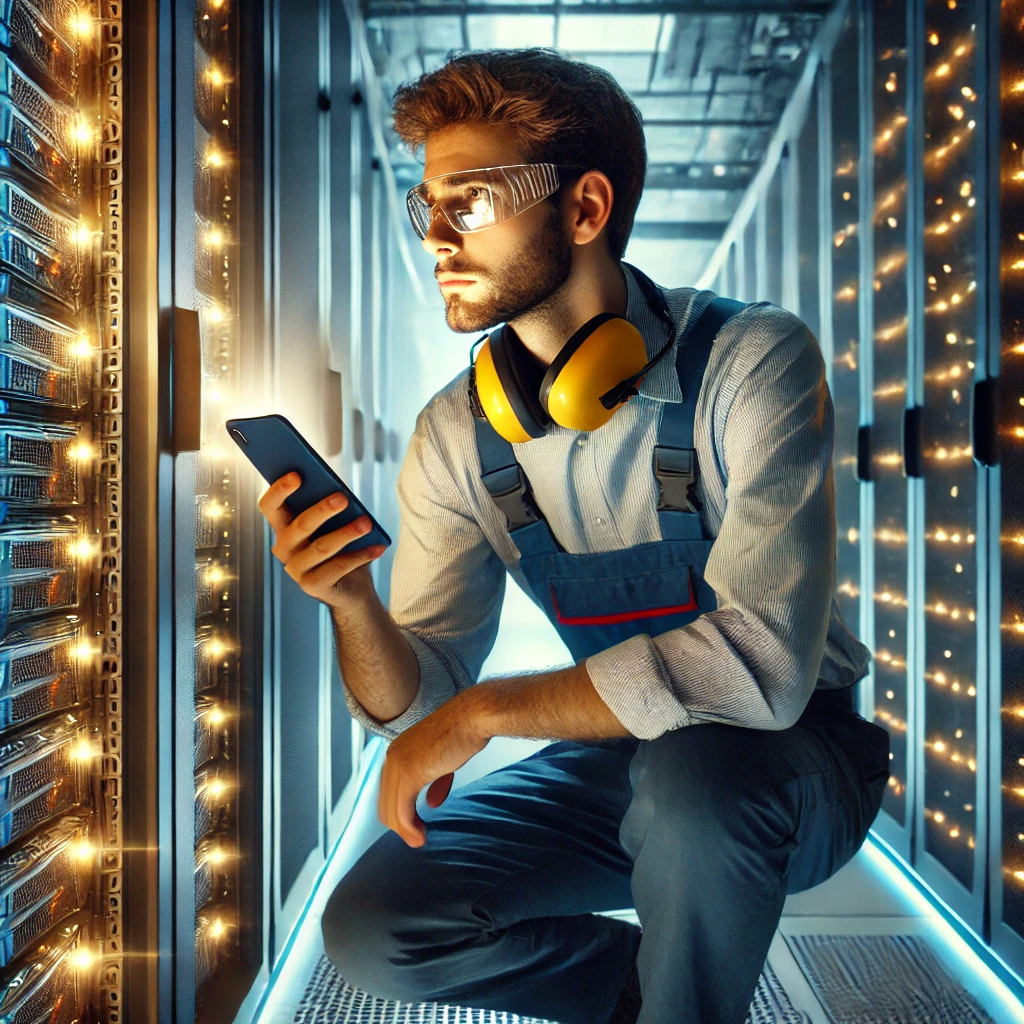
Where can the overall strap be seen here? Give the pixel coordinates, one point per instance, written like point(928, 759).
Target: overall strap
point(504, 477)
point(675, 458)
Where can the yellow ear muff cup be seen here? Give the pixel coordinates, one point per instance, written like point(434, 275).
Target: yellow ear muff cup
point(493, 400)
point(610, 353)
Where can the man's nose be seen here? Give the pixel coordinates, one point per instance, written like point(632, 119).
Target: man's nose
point(441, 237)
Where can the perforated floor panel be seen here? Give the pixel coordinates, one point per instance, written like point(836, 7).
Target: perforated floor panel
point(883, 979)
point(329, 999)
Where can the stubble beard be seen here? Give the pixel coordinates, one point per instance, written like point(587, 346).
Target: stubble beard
point(523, 285)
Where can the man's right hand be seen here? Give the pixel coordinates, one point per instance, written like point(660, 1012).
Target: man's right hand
point(323, 569)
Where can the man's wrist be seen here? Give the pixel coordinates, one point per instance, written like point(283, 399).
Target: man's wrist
point(477, 703)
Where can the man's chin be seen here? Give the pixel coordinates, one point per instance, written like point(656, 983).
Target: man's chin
point(464, 318)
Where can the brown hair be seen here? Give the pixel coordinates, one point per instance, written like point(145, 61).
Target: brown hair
point(559, 111)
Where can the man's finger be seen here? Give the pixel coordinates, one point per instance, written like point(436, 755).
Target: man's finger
point(439, 790)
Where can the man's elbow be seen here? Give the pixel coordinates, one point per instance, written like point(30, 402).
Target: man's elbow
point(788, 703)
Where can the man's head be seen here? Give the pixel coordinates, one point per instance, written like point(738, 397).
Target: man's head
point(502, 107)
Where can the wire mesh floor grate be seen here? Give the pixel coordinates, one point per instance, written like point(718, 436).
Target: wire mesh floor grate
point(329, 999)
point(883, 979)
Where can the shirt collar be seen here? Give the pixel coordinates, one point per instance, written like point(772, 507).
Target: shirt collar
point(661, 382)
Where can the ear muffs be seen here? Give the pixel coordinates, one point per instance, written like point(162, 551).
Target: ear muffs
point(508, 381)
point(604, 351)
point(522, 401)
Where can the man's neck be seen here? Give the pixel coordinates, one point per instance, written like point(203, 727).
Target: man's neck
point(587, 292)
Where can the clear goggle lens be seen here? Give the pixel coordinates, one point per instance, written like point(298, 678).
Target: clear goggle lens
point(478, 199)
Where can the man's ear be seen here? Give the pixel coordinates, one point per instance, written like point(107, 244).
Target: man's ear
point(591, 199)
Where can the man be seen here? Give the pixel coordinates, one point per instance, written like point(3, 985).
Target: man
point(710, 761)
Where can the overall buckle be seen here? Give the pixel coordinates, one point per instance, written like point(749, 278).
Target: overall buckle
point(510, 489)
point(675, 469)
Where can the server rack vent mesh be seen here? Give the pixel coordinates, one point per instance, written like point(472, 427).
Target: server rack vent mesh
point(889, 331)
point(60, 472)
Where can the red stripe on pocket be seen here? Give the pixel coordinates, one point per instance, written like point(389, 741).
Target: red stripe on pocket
point(611, 620)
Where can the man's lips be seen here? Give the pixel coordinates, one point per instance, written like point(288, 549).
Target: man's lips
point(455, 282)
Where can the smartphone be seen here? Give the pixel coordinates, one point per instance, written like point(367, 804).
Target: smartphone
point(273, 445)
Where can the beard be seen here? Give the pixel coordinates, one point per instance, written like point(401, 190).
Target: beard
point(524, 283)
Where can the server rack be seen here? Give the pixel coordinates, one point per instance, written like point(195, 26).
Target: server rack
point(60, 511)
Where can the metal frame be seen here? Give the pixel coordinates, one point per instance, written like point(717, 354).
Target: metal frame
point(1005, 941)
point(788, 126)
point(398, 8)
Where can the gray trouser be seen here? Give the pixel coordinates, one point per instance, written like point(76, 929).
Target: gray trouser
point(703, 830)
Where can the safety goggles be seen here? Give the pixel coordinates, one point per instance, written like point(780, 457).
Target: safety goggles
point(477, 199)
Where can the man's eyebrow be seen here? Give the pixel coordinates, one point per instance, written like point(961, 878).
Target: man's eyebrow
point(452, 180)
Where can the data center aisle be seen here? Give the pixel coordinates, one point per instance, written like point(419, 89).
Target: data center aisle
point(869, 897)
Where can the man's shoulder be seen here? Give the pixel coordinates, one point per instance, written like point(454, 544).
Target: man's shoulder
point(759, 331)
point(448, 417)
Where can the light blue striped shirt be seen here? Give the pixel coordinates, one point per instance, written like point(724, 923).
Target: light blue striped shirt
point(764, 437)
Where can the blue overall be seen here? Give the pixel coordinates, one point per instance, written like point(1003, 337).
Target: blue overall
point(703, 830)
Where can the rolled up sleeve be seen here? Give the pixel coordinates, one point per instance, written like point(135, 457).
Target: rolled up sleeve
point(447, 583)
point(754, 660)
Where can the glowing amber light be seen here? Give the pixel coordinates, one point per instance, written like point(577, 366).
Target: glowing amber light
point(83, 131)
point(216, 787)
point(82, 348)
point(217, 928)
point(86, 751)
point(215, 237)
point(84, 548)
point(214, 158)
point(82, 958)
point(215, 76)
point(83, 650)
point(215, 648)
point(82, 849)
point(81, 24)
point(82, 451)
point(216, 716)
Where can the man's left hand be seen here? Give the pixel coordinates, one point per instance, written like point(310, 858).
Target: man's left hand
point(428, 753)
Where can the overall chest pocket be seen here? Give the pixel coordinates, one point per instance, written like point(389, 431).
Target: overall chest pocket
point(644, 597)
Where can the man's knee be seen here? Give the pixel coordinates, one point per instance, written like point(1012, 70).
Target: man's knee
point(357, 938)
point(383, 928)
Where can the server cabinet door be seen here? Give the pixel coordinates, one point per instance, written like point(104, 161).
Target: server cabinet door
point(893, 696)
point(846, 372)
point(208, 62)
point(951, 824)
point(1005, 547)
point(302, 391)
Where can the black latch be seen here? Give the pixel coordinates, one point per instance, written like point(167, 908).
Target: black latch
point(913, 456)
point(984, 421)
point(676, 471)
point(864, 453)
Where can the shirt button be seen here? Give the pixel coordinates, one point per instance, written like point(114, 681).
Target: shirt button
point(599, 520)
point(581, 441)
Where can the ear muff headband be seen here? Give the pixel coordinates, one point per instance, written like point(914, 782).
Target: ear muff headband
point(520, 377)
point(498, 396)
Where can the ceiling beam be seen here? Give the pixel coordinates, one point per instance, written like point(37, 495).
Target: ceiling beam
point(401, 8)
point(712, 122)
point(682, 231)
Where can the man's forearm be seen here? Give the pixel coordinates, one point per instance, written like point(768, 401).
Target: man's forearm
point(375, 659)
point(561, 705)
